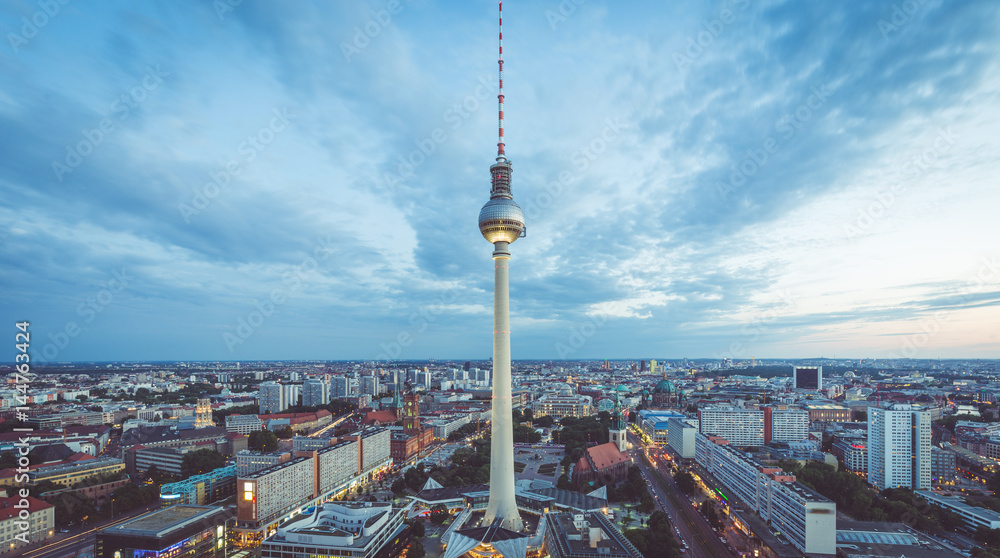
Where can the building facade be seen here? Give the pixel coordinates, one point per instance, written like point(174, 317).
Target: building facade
point(199, 530)
point(899, 448)
point(742, 427)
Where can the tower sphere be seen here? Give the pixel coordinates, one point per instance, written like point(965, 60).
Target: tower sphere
point(501, 220)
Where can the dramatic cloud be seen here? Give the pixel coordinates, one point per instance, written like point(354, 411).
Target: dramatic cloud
point(290, 181)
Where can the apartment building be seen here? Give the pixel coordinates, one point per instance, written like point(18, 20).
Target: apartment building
point(741, 427)
point(899, 447)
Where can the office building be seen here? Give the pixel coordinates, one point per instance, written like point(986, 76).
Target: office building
point(315, 393)
point(852, 451)
point(742, 427)
point(370, 386)
point(899, 447)
point(196, 531)
point(201, 489)
point(272, 398)
point(680, 437)
point(807, 377)
point(356, 529)
point(973, 516)
point(243, 424)
point(944, 465)
point(166, 460)
point(561, 406)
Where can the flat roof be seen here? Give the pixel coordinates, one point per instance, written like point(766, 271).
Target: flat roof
point(160, 522)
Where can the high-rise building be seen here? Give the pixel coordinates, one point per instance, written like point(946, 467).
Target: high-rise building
point(369, 386)
point(501, 222)
point(807, 377)
point(272, 398)
point(899, 447)
point(340, 387)
point(652, 367)
point(315, 392)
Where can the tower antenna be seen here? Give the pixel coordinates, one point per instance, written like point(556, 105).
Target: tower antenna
point(500, 143)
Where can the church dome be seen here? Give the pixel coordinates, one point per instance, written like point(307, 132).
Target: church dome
point(665, 386)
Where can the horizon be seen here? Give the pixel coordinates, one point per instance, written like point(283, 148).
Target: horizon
point(271, 182)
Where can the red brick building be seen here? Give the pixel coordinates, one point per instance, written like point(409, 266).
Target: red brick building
point(603, 463)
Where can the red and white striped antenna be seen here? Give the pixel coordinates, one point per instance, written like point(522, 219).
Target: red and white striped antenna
point(500, 142)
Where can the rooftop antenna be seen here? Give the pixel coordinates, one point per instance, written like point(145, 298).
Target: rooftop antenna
point(500, 143)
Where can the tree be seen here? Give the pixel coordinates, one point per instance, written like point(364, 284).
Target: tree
point(685, 482)
point(529, 415)
point(859, 416)
point(544, 421)
point(201, 461)
point(708, 510)
point(285, 433)
point(398, 486)
point(417, 526)
point(438, 514)
point(646, 503)
point(262, 440)
point(416, 549)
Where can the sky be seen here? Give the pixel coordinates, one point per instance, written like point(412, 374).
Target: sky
point(260, 180)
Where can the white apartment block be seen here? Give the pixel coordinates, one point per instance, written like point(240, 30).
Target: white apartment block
point(741, 427)
point(315, 393)
point(899, 447)
point(374, 451)
point(807, 519)
point(337, 464)
point(267, 494)
point(786, 425)
point(443, 427)
point(272, 398)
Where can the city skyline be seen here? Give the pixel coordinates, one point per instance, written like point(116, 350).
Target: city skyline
point(731, 180)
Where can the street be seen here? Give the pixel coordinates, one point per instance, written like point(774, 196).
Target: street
point(703, 541)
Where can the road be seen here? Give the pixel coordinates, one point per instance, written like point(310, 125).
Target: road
point(703, 541)
point(70, 545)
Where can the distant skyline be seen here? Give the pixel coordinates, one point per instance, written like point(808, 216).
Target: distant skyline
point(301, 181)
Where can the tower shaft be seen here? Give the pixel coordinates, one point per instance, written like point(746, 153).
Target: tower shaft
point(502, 504)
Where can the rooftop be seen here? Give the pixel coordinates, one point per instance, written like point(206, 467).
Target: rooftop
point(161, 522)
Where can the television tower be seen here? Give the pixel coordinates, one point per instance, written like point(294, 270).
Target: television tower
point(502, 222)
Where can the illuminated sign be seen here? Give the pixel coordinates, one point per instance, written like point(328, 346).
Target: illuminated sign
point(248, 491)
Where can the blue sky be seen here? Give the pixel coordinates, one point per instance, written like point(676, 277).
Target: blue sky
point(302, 180)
